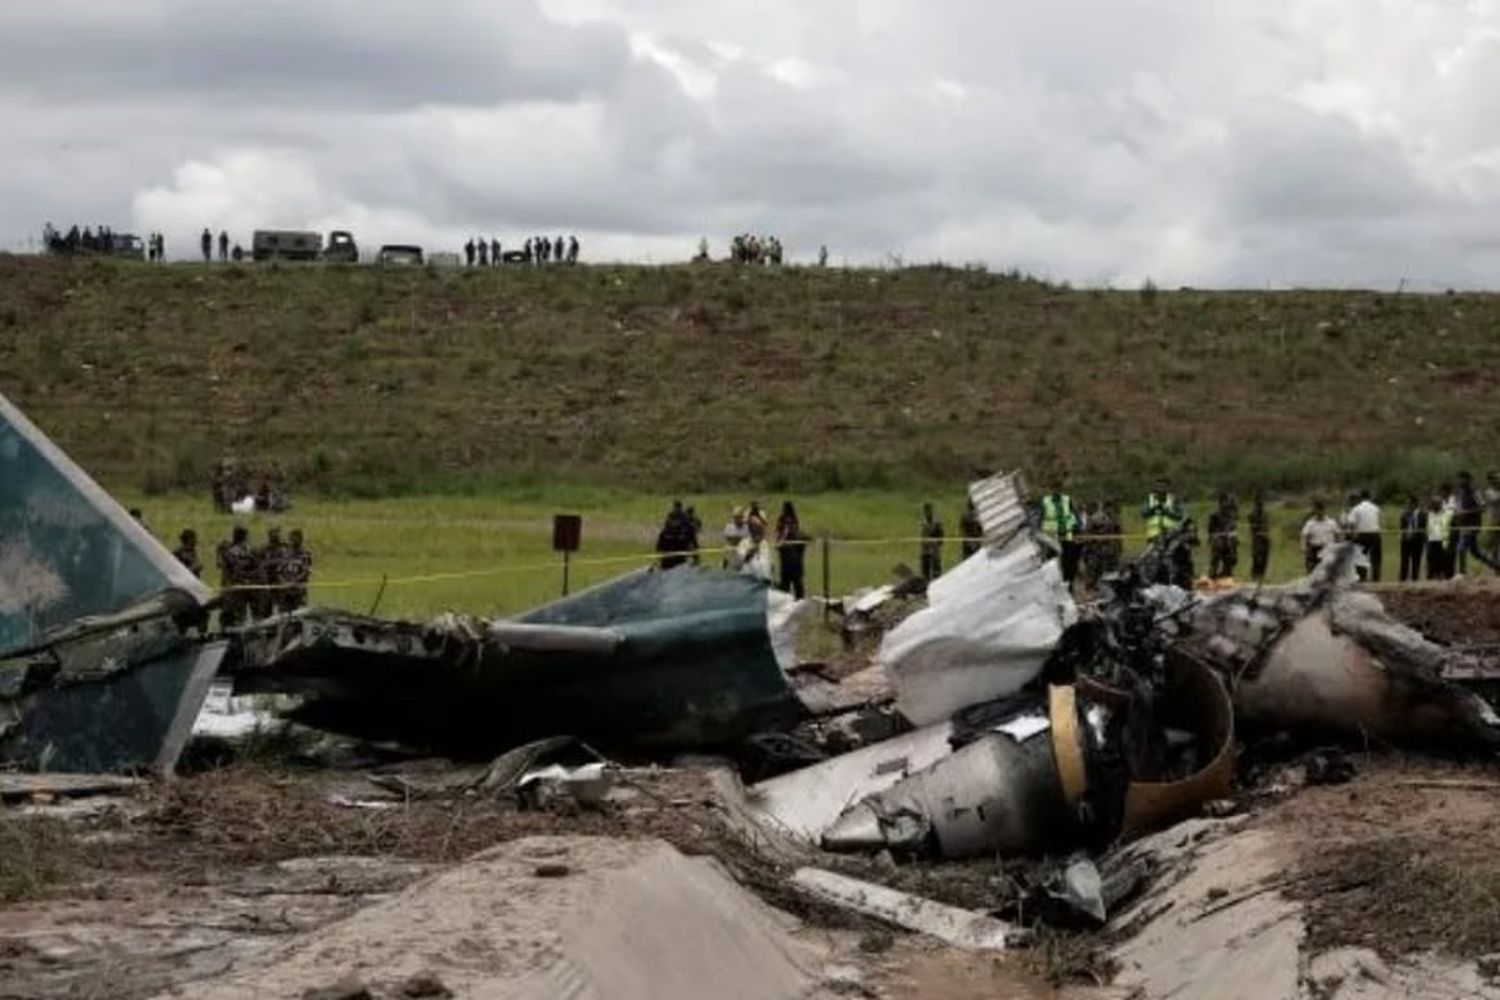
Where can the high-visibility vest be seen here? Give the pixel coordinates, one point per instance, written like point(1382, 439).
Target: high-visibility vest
point(1438, 525)
point(1161, 514)
point(1057, 516)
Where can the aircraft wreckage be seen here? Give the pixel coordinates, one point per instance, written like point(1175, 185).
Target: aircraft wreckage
point(1000, 716)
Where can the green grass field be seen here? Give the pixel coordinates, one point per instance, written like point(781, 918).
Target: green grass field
point(430, 422)
point(375, 382)
point(492, 555)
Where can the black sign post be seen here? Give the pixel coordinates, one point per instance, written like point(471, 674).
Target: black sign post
point(567, 536)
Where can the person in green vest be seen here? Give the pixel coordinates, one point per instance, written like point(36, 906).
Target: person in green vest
point(1060, 520)
point(1161, 511)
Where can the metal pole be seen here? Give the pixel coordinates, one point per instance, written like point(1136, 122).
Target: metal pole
point(827, 589)
point(566, 555)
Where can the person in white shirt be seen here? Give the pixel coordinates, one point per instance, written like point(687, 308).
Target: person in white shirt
point(1364, 525)
point(755, 553)
point(735, 532)
point(1318, 532)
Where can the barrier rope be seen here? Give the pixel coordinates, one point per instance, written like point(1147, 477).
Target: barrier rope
point(718, 551)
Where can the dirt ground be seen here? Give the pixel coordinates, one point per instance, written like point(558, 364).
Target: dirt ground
point(186, 880)
point(123, 897)
point(197, 877)
point(1464, 612)
point(1402, 860)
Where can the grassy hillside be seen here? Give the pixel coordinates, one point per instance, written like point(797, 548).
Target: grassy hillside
point(364, 380)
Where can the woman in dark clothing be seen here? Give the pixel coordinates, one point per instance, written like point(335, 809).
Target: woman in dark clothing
point(791, 548)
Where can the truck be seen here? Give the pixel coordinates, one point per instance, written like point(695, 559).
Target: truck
point(128, 245)
point(300, 244)
point(400, 254)
point(286, 244)
point(341, 248)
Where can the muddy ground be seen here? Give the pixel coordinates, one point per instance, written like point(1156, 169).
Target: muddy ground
point(125, 896)
point(187, 880)
point(1463, 612)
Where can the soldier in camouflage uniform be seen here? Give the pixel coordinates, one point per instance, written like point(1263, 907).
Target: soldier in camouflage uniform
point(1105, 547)
point(1223, 539)
point(296, 573)
point(268, 566)
point(187, 551)
point(235, 570)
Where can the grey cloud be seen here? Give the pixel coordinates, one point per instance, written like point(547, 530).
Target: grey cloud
point(1291, 166)
point(352, 54)
point(1236, 143)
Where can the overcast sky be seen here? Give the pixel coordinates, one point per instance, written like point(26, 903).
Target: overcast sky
point(1233, 142)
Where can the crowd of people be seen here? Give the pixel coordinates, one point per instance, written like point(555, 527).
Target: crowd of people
point(100, 240)
point(479, 252)
point(238, 491)
point(256, 581)
point(748, 543)
point(226, 251)
point(1456, 523)
point(748, 249)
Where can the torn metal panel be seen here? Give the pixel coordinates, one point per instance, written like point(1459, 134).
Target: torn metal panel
point(137, 715)
point(993, 795)
point(806, 802)
point(989, 626)
point(1319, 655)
point(96, 673)
point(1000, 502)
point(686, 658)
point(67, 550)
point(960, 928)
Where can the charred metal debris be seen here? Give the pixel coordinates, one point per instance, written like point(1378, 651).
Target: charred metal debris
point(996, 716)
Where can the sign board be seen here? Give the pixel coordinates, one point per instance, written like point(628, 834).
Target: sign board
point(567, 532)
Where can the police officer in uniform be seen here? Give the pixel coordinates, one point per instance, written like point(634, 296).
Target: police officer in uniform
point(1061, 522)
point(1161, 511)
